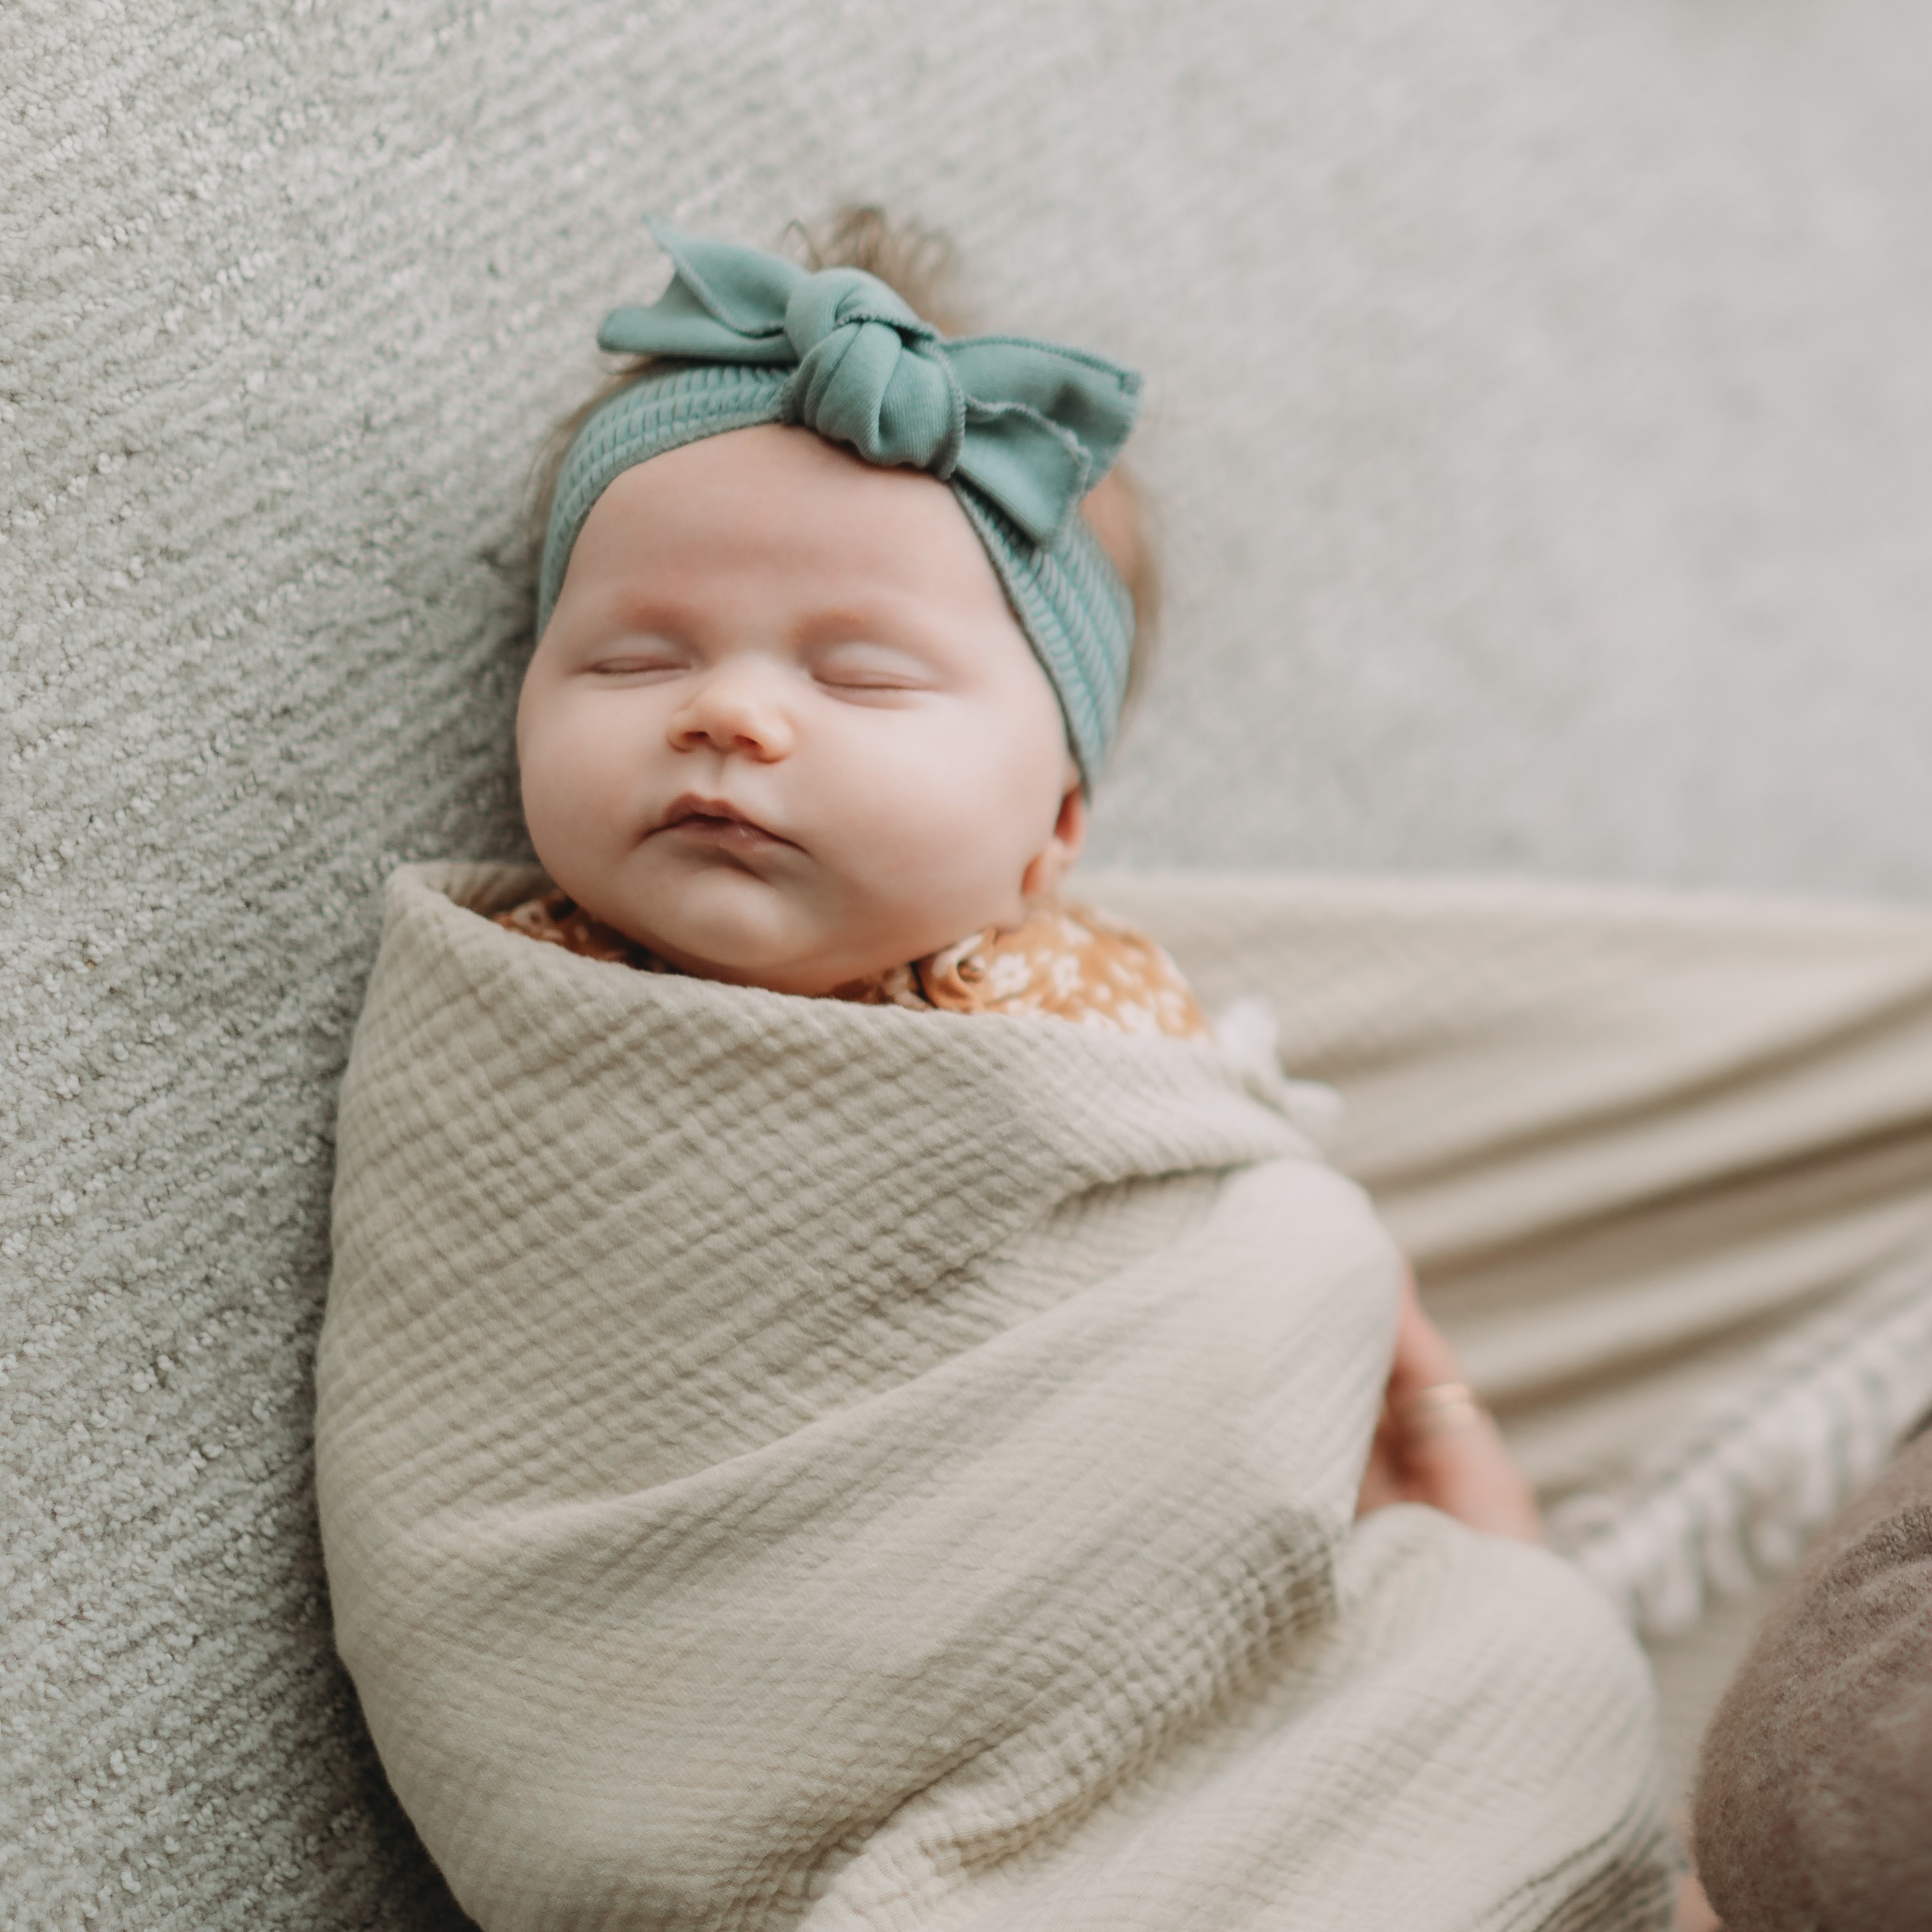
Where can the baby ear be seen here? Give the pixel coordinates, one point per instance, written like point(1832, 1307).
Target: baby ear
point(1044, 872)
point(1113, 513)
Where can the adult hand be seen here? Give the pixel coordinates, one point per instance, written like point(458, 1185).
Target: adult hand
point(1435, 1445)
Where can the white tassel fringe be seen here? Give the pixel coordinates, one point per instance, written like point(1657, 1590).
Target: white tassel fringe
point(1737, 1495)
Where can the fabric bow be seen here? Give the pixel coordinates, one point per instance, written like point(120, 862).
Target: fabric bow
point(1031, 425)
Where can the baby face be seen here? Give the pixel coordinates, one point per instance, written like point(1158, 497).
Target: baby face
point(782, 728)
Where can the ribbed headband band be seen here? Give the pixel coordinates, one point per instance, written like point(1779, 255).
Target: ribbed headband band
point(1021, 430)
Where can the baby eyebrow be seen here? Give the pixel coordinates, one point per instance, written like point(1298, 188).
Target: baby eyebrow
point(652, 615)
point(858, 624)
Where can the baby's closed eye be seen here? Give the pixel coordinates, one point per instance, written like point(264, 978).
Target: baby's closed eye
point(860, 668)
point(641, 660)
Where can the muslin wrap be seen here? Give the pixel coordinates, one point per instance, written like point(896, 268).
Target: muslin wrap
point(783, 1462)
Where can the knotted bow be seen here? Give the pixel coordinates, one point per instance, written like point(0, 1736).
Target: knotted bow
point(1031, 425)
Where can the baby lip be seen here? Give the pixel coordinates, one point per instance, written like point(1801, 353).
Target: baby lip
point(717, 818)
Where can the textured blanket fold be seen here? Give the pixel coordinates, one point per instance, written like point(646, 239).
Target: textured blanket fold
point(788, 1463)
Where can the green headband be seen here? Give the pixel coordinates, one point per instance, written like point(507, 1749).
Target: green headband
point(1021, 430)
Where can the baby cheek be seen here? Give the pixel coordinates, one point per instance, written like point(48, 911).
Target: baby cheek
point(569, 789)
point(958, 833)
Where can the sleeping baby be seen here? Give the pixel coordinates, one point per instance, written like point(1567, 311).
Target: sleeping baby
point(842, 1402)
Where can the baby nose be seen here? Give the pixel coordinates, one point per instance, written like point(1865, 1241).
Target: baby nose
point(733, 708)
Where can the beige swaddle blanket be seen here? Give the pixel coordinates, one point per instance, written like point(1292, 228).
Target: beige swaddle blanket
point(789, 1463)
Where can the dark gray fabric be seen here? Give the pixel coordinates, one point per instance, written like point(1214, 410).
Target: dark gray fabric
point(1813, 1811)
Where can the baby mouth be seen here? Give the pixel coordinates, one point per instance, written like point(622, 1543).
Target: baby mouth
point(717, 822)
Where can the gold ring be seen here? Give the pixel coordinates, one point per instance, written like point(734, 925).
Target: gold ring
point(1437, 1410)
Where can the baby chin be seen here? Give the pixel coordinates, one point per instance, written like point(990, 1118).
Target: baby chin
point(720, 922)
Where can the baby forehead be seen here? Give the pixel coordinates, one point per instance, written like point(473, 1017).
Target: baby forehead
point(775, 462)
point(773, 500)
